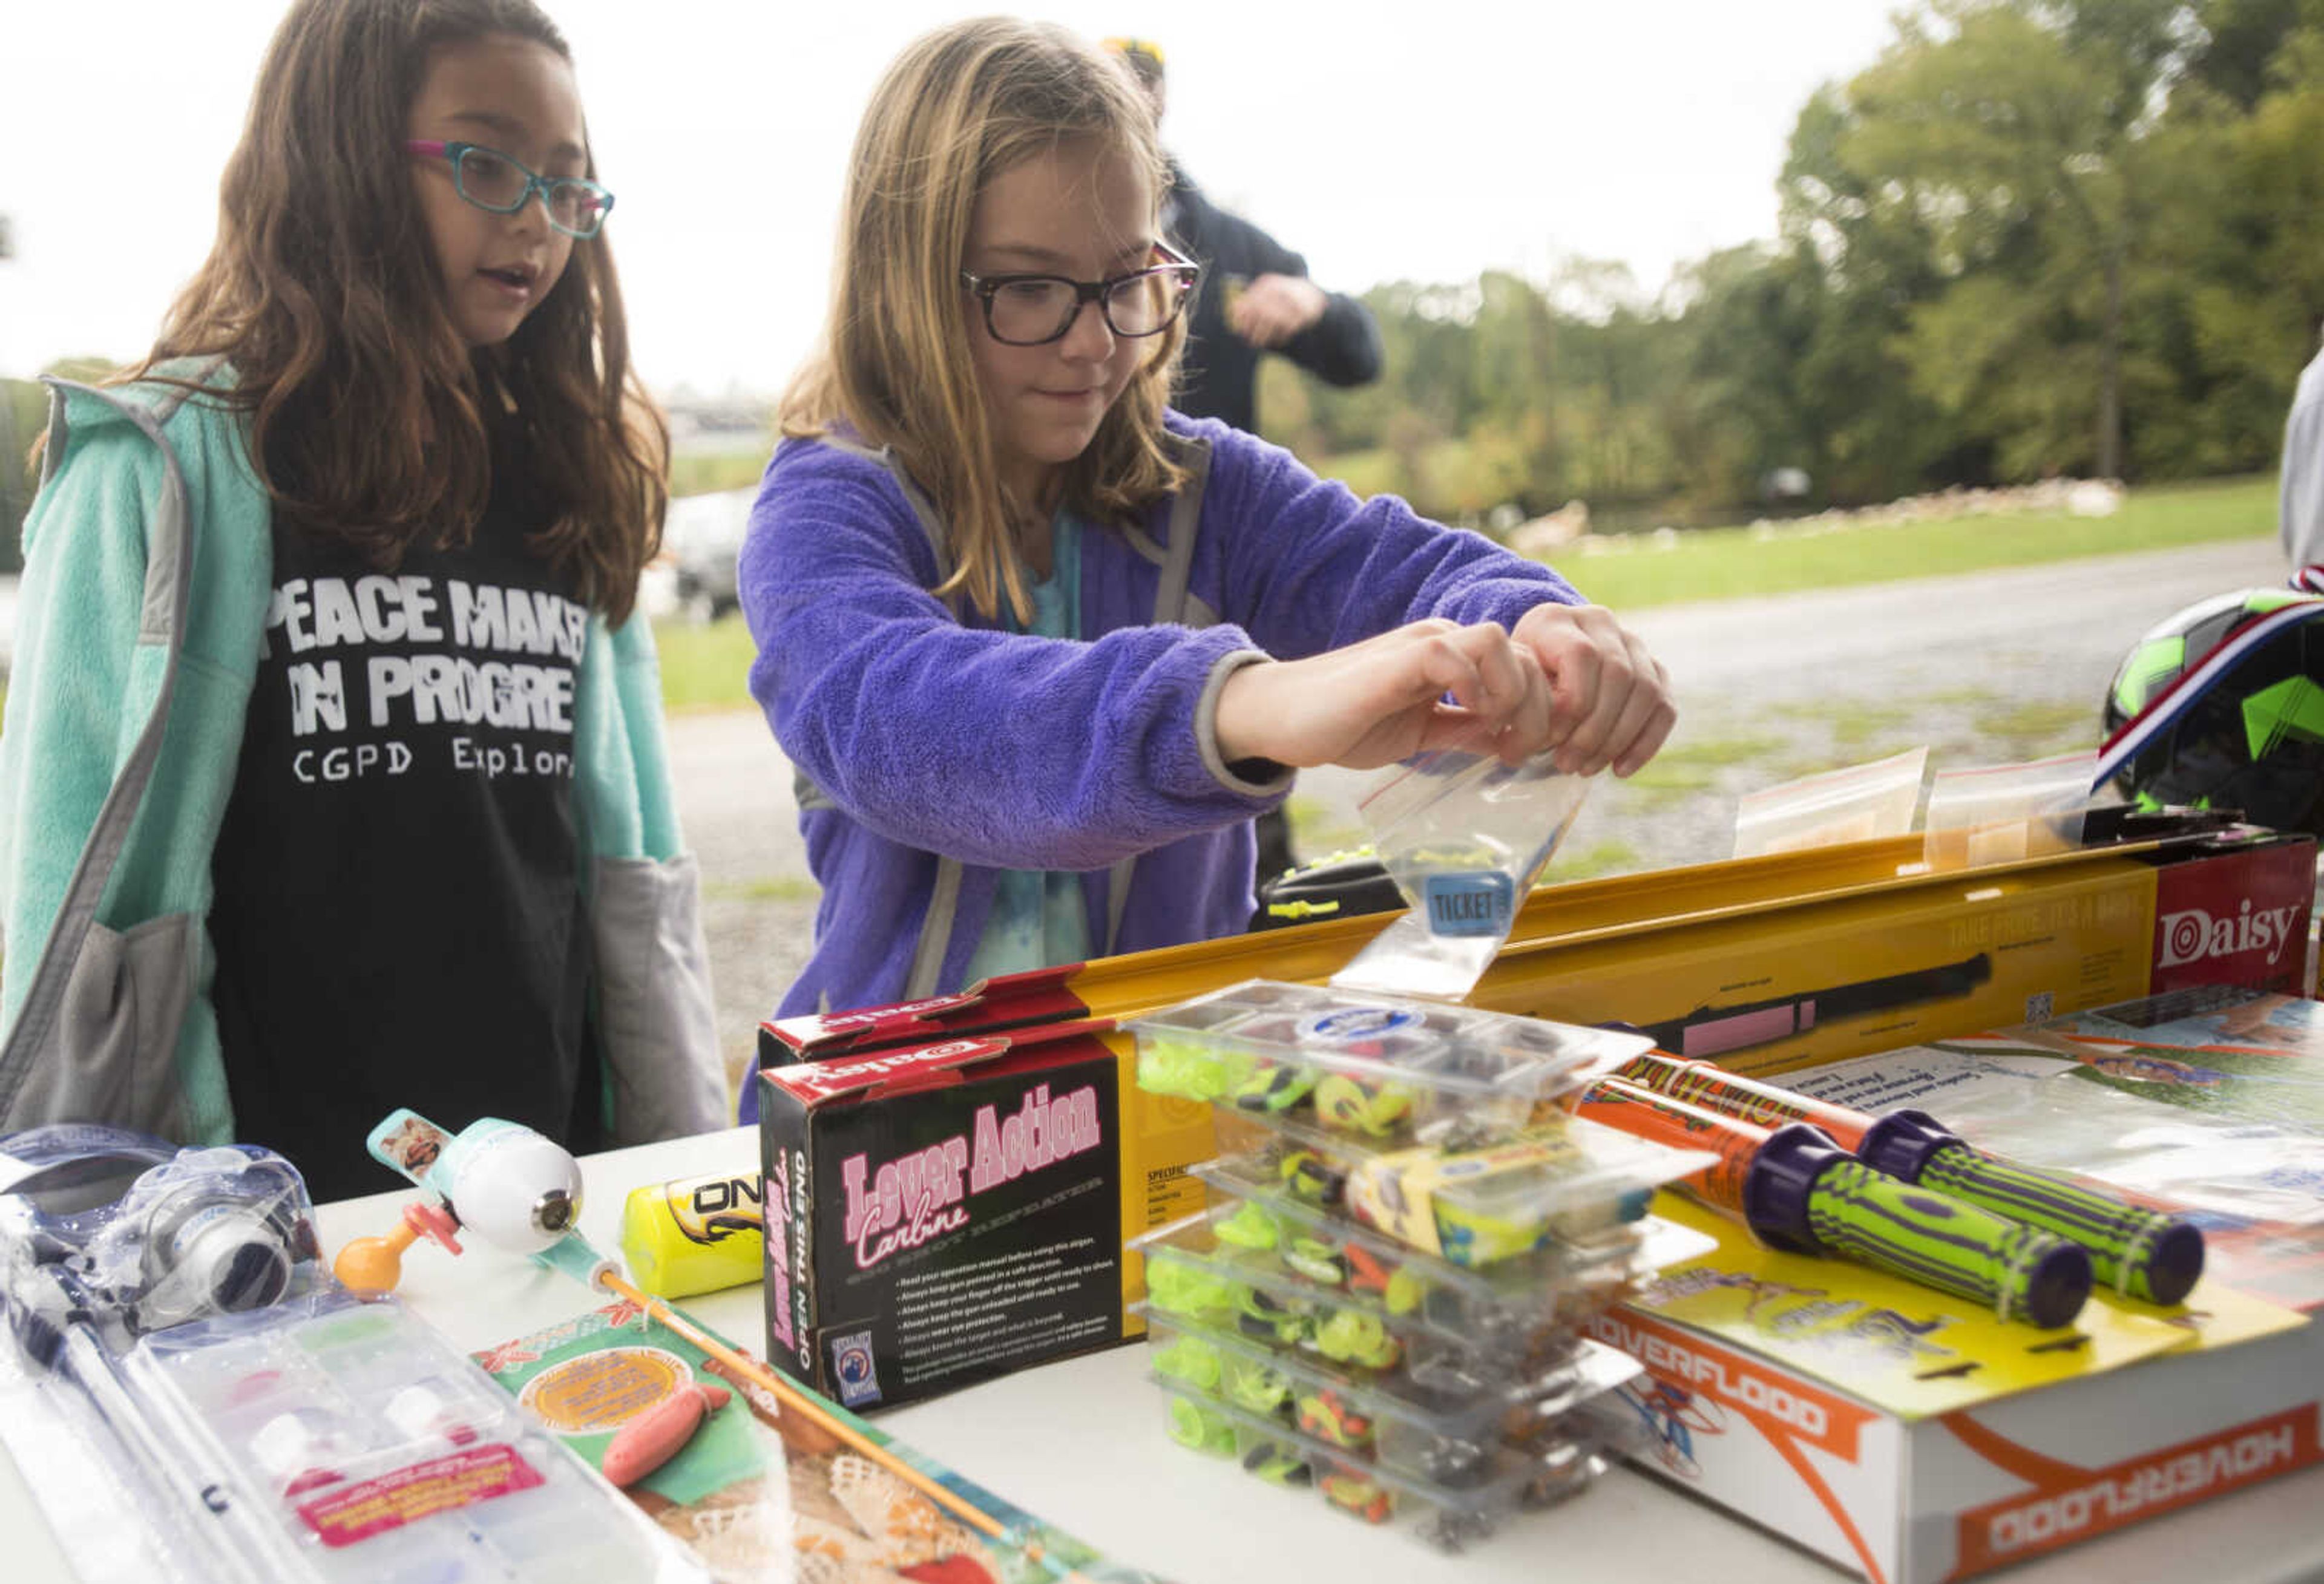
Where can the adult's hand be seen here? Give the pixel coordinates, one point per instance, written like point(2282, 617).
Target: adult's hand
point(1273, 308)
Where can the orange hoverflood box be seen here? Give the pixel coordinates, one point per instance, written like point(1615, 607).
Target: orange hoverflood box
point(1913, 1437)
point(1900, 1436)
point(1894, 1432)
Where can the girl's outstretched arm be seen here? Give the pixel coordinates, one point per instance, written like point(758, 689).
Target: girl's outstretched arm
point(1362, 596)
point(1568, 679)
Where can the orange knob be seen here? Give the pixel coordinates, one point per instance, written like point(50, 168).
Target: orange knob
point(369, 1268)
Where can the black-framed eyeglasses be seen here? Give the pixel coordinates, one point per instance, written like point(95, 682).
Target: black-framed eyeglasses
point(1030, 310)
point(492, 181)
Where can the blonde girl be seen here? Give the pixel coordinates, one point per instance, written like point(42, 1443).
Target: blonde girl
point(1039, 646)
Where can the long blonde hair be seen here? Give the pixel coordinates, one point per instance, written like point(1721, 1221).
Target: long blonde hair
point(959, 108)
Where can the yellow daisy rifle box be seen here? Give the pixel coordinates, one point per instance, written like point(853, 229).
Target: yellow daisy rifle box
point(1761, 963)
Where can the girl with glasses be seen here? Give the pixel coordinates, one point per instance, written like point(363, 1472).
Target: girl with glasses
point(1040, 648)
point(332, 769)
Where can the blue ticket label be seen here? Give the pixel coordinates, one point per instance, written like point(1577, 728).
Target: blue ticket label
point(1472, 904)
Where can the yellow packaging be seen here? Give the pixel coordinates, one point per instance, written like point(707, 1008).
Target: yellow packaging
point(694, 1234)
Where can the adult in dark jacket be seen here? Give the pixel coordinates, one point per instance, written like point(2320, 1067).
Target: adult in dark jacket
point(1255, 297)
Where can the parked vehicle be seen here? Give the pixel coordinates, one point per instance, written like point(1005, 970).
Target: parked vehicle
point(701, 539)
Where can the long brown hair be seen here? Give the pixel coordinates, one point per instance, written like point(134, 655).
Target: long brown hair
point(370, 420)
point(960, 106)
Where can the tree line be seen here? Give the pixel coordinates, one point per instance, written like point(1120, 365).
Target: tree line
point(2035, 237)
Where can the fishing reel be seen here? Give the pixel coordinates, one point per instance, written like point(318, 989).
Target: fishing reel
point(128, 1234)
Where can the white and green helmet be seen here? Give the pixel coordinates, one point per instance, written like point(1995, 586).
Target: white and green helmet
point(2222, 706)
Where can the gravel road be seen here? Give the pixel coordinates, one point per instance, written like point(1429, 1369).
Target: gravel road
point(1983, 667)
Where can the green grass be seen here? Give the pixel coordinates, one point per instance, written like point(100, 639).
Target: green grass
point(1728, 562)
point(1686, 767)
point(1855, 725)
point(2037, 731)
point(704, 668)
point(704, 473)
point(730, 463)
point(1368, 473)
point(781, 888)
point(1608, 857)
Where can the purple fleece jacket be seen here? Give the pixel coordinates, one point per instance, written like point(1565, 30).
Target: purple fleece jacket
point(928, 733)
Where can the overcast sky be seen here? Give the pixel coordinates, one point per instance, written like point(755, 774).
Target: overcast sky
point(1415, 140)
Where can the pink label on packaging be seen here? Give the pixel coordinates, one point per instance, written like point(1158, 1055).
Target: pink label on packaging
point(825, 1080)
point(358, 1512)
point(1718, 1035)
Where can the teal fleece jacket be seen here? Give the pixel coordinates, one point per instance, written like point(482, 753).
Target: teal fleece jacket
point(134, 1037)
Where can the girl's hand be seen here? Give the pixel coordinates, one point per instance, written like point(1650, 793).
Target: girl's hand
point(1570, 679)
point(1382, 700)
point(1610, 700)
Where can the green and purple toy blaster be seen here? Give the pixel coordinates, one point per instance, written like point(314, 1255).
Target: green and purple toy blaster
point(2135, 1252)
point(1800, 1192)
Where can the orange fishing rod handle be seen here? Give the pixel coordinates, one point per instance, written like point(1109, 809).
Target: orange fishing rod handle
point(1714, 1088)
point(1645, 1114)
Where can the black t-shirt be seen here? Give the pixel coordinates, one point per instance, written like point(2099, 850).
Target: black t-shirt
point(397, 916)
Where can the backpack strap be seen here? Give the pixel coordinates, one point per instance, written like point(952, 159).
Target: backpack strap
point(1173, 606)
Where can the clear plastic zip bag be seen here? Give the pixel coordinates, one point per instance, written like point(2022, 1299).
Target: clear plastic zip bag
point(1859, 803)
point(1464, 837)
point(2002, 814)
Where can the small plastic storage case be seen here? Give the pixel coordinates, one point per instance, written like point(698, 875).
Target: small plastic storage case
point(1563, 1180)
point(1449, 1518)
point(1496, 1308)
point(1452, 1436)
point(1192, 1275)
point(348, 1441)
point(1377, 1067)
